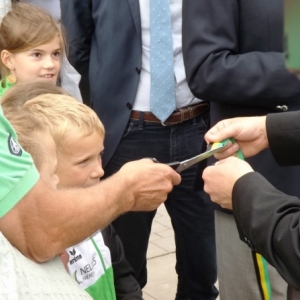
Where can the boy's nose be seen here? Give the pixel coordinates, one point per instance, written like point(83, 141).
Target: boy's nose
point(98, 171)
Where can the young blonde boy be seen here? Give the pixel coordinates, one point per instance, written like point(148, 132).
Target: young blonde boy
point(36, 139)
point(78, 135)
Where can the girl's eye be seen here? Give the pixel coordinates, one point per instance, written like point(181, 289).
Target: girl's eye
point(56, 54)
point(36, 54)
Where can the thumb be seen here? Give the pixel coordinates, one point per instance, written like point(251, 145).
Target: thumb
point(218, 133)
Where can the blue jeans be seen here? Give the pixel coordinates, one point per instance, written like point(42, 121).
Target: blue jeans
point(191, 213)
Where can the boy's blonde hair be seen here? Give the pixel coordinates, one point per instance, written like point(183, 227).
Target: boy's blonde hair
point(64, 115)
point(26, 26)
point(21, 92)
point(29, 131)
point(27, 126)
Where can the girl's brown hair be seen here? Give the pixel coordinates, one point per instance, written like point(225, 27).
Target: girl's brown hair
point(26, 26)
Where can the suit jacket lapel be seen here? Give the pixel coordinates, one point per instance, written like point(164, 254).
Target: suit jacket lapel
point(135, 11)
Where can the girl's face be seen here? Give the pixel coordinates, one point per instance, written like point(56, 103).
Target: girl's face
point(41, 63)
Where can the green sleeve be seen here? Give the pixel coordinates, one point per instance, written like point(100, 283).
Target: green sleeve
point(17, 171)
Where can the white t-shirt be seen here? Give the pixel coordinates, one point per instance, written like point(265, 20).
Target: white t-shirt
point(23, 279)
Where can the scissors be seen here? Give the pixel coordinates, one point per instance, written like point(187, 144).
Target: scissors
point(211, 150)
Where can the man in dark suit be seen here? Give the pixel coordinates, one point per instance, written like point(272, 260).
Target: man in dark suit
point(233, 54)
point(110, 48)
point(266, 218)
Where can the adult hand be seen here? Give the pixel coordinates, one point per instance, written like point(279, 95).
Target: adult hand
point(220, 178)
point(43, 224)
point(249, 133)
point(149, 183)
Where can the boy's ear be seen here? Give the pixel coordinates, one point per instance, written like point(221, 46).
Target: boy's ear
point(6, 58)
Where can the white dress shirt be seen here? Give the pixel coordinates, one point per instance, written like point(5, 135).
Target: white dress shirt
point(184, 96)
point(52, 6)
point(5, 6)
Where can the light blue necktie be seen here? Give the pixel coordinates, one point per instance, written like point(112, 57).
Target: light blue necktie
point(162, 93)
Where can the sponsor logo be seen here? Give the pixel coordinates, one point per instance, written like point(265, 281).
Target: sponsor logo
point(14, 147)
point(75, 257)
point(87, 271)
point(89, 267)
point(88, 276)
point(75, 277)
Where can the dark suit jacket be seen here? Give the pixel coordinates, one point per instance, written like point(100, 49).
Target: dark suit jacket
point(106, 49)
point(268, 220)
point(233, 54)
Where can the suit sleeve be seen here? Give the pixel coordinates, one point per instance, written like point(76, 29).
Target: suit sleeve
point(126, 286)
point(216, 68)
point(76, 16)
point(269, 222)
point(284, 137)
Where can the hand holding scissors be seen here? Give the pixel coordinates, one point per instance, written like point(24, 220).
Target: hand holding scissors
point(211, 150)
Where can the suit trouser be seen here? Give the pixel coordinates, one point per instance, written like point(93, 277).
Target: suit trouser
point(236, 272)
point(192, 216)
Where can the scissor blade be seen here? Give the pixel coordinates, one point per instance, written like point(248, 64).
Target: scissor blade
point(212, 149)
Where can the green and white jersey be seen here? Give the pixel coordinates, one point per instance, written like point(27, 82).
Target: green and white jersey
point(17, 172)
point(90, 265)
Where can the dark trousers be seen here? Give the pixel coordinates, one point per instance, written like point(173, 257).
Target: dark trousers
point(191, 213)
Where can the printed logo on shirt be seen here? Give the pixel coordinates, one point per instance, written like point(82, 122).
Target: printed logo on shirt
point(87, 271)
point(75, 277)
point(14, 147)
point(75, 257)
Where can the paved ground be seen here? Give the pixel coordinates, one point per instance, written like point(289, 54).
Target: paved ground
point(162, 279)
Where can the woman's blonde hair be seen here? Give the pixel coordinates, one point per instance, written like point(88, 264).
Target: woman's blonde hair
point(26, 26)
